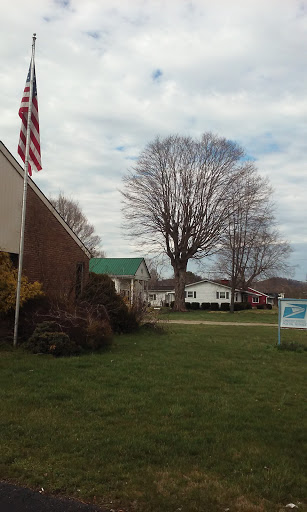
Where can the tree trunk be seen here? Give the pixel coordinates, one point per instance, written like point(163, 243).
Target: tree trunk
point(232, 300)
point(180, 277)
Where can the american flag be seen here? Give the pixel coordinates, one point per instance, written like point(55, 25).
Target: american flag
point(34, 149)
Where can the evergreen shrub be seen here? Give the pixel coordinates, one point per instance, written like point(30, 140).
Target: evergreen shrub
point(47, 339)
point(214, 306)
point(195, 305)
point(239, 306)
point(100, 293)
point(205, 305)
point(225, 306)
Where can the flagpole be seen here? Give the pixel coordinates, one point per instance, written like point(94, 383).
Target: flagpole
point(24, 198)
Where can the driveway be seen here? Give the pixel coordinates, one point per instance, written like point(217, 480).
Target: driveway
point(212, 322)
point(20, 499)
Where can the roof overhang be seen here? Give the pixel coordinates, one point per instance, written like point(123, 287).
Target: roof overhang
point(42, 197)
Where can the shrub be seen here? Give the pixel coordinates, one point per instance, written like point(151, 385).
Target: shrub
point(269, 306)
point(47, 339)
point(205, 305)
point(195, 305)
point(172, 304)
point(239, 306)
point(248, 305)
point(188, 305)
point(214, 306)
point(8, 284)
point(100, 293)
point(260, 306)
point(225, 306)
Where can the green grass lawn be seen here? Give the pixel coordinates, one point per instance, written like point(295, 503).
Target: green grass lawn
point(200, 418)
point(252, 315)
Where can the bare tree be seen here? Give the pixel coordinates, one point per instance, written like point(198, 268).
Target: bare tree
point(177, 198)
point(252, 246)
point(71, 212)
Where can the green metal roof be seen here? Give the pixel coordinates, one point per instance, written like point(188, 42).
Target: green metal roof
point(115, 266)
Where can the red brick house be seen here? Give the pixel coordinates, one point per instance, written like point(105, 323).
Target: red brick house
point(53, 254)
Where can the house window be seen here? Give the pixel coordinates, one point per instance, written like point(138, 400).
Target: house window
point(190, 294)
point(222, 295)
point(236, 297)
point(217, 295)
point(194, 295)
point(152, 296)
point(256, 300)
point(227, 295)
point(79, 278)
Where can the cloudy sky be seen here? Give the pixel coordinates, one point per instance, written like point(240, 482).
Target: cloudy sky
point(113, 74)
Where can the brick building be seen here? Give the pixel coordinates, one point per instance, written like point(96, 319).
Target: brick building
point(53, 254)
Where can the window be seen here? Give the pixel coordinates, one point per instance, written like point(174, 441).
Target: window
point(227, 295)
point(194, 295)
point(79, 278)
point(236, 297)
point(222, 295)
point(217, 295)
point(190, 294)
point(255, 299)
point(152, 296)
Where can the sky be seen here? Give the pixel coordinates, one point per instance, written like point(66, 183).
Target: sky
point(114, 74)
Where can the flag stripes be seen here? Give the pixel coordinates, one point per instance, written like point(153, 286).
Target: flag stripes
point(34, 149)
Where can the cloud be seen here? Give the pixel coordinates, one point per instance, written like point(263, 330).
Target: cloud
point(235, 69)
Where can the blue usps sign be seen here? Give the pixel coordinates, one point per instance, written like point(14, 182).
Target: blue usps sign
point(292, 314)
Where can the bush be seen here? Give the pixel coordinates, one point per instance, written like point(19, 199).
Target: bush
point(195, 305)
point(248, 305)
point(47, 339)
point(188, 305)
point(269, 306)
point(172, 304)
point(214, 306)
point(8, 284)
point(240, 306)
point(100, 293)
point(260, 306)
point(205, 305)
point(225, 306)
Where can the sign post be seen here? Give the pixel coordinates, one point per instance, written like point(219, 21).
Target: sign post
point(292, 314)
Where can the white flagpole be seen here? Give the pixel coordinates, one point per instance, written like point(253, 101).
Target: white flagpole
point(24, 198)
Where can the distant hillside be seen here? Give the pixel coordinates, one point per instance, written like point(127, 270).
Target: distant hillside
point(290, 287)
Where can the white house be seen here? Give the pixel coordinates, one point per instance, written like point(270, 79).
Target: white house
point(209, 291)
point(201, 291)
point(160, 295)
point(130, 275)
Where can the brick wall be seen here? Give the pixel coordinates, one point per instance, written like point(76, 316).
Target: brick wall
point(51, 255)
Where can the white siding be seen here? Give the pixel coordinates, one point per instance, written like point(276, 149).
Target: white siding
point(161, 297)
point(206, 292)
point(142, 272)
point(11, 189)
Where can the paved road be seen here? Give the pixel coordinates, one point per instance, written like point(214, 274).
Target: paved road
point(20, 499)
point(212, 322)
